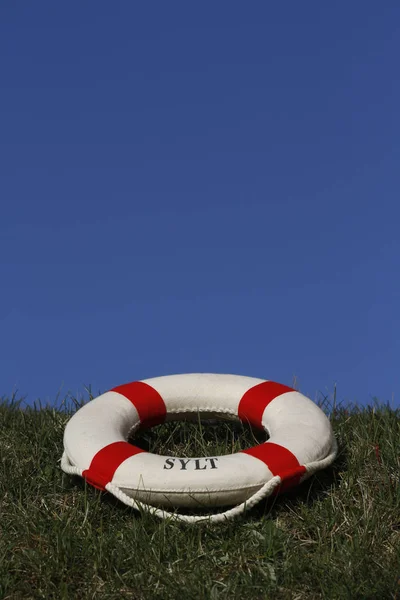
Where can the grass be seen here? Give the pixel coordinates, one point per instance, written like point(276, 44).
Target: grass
point(335, 536)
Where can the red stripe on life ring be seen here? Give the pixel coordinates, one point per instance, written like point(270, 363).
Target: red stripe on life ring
point(257, 398)
point(280, 461)
point(106, 461)
point(147, 401)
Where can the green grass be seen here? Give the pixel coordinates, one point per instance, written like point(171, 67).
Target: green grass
point(335, 536)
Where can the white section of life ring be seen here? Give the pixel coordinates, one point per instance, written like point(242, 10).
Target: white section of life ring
point(301, 442)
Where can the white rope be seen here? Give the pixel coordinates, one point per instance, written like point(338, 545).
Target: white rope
point(68, 467)
point(228, 515)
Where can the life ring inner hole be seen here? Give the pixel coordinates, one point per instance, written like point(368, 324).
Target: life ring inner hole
point(198, 435)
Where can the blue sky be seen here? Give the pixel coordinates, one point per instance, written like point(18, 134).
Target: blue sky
point(200, 187)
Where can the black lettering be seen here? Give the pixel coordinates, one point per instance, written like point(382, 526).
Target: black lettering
point(184, 463)
point(169, 462)
point(197, 465)
point(212, 462)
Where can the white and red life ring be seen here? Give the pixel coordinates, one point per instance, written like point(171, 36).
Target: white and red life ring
point(300, 442)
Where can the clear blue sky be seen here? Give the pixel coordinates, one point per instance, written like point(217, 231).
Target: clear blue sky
point(206, 186)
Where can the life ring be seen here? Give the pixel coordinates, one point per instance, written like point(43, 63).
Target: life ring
point(300, 443)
